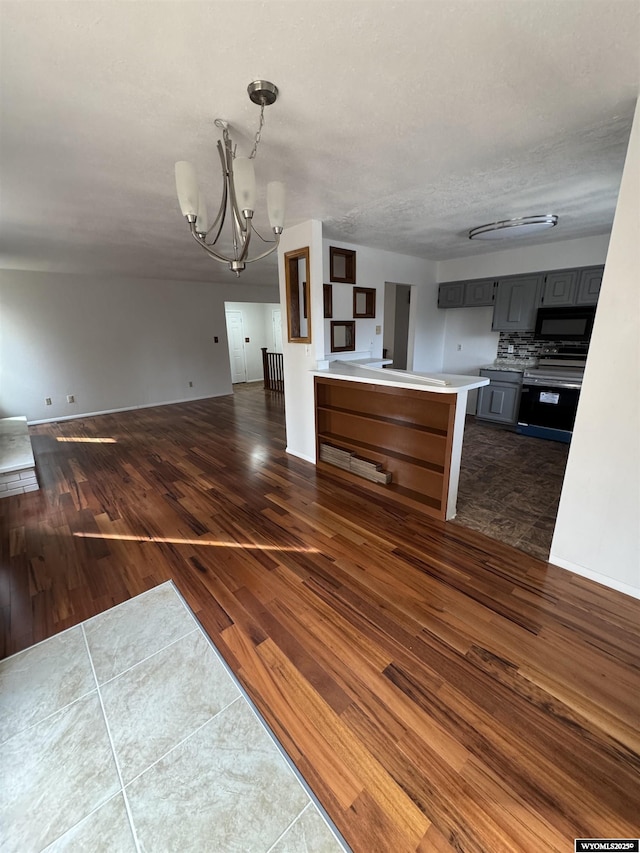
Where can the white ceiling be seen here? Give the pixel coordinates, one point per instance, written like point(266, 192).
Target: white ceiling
point(399, 124)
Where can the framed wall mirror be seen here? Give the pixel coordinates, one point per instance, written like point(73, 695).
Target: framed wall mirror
point(342, 265)
point(343, 335)
point(364, 302)
point(296, 266)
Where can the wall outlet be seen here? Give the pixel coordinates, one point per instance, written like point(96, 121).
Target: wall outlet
point(510, 349)
point(215, 340)
point(459, 347)
point(70, 398)
point(190, 384)
point(47, 401)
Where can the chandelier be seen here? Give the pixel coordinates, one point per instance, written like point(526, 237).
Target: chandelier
point(238, 194)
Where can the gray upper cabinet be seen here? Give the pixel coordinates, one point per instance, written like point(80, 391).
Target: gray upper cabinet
point(466, 294)
point(517, 299)
point(560, 288)
point(479, 292)
point(451, 295)
point(589, 285)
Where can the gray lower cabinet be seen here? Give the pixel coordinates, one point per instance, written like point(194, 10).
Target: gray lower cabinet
point(499, 401)
point(517, 300)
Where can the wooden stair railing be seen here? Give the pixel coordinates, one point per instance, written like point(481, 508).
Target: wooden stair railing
point(273, 370)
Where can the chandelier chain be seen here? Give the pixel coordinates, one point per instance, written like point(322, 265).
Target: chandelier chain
point(258, 133)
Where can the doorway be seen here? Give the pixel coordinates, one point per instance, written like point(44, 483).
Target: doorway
point(237, 354)
point(276, 323)
point(397, 307)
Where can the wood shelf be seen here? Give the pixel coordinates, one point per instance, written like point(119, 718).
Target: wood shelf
point(357, 446)
point(408, 432)
point(385, 420)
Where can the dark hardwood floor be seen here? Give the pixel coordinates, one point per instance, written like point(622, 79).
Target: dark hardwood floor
point(439, 690)
point(510, 486)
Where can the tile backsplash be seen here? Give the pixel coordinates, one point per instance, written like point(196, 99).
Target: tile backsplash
point(524, 345)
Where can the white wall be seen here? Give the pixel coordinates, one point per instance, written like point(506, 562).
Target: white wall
point(375, 267)
point(469, 328)
point(257, 326)
point(598, 526)
point(113, 343)
point(300, 359)
point(564, 254)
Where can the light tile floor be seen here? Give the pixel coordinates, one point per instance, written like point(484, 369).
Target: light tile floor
point(129, 733)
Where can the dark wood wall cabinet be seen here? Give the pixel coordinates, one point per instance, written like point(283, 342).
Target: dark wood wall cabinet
point(413, 444)
point(516, 298)
point(364, 302)
point(343, 335)
point(342, 265)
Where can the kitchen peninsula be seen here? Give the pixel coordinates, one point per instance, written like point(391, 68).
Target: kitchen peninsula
point(394, 431)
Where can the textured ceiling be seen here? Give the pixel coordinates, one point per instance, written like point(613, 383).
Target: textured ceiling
point(399, 124)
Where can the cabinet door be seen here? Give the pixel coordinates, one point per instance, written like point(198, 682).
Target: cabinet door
point(480, 292)
point(516, 303)
point(499, 403)
point(589, 285)
point(560, 288)
point(451, 295)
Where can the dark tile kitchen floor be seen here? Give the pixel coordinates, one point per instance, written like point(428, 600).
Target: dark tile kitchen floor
point(510, 486)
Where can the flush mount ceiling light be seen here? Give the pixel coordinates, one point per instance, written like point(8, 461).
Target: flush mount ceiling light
point(510, 228)
point(238, 194)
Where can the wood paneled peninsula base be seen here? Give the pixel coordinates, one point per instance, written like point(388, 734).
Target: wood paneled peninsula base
point(394, 432)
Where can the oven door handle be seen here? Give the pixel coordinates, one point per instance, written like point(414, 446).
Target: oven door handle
point(550, 383)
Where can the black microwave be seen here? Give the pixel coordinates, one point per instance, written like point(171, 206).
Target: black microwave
point(573, 323)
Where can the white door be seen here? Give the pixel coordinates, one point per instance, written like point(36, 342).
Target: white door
point(276, 320)
point(237, 357)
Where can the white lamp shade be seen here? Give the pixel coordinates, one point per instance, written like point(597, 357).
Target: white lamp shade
point(202, 222)
point(187, 187)
point(244, 182)
point(276, 203)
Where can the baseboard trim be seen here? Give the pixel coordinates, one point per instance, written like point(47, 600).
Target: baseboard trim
point(603, 580)
point(300, 456)
point(124, 409)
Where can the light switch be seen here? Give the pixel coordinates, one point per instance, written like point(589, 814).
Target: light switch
point(378, 330)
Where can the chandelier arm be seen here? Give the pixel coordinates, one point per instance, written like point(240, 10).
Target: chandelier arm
point(223, 203)
point(260, 237)
point(206, 247)
point(245, 244)
point(264, 254)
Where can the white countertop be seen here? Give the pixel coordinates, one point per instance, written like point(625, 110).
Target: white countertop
point(439, 383)
point(15, 445)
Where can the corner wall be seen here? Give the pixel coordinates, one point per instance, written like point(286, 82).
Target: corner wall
point(598, 526)
point(300, 359)
point(374, 268)
point(113, 343)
